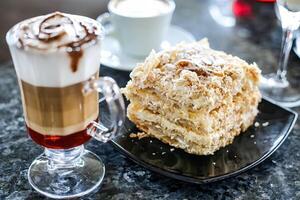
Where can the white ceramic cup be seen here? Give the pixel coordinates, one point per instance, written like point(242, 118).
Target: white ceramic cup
point(137, 34)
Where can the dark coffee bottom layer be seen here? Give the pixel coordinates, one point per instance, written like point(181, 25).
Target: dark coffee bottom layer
point(59, 142)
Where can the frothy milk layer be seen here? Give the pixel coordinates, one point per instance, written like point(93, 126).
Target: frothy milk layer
point(138, 8)
point(55, 50)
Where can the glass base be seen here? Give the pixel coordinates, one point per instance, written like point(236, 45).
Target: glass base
point(281, 91)
point(66, 173)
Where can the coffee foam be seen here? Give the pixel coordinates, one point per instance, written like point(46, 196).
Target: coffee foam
point(55, 50)
point(138, 8)
point(55, 31)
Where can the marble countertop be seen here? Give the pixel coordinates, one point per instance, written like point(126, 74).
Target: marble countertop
point(256, 39)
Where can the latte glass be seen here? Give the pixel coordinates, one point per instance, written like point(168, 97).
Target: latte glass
point(59, 90)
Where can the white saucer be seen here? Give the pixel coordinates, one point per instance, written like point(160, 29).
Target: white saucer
point(112, 55)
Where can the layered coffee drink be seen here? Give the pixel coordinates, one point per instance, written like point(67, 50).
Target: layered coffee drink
point(54, 56)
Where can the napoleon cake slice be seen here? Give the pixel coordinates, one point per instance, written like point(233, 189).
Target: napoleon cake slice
point(193, 97)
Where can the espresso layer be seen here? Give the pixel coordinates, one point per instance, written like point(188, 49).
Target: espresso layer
point(61, 131)
point(58, 111)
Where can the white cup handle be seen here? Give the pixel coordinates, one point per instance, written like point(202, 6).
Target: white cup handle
point(105, 20)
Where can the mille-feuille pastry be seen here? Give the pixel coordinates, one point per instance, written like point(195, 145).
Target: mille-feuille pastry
point(193, 97)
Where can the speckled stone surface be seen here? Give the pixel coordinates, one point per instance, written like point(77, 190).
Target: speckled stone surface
point(257, 39)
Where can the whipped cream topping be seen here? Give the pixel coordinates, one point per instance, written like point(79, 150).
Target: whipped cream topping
point(55, 50)
point(56, 31)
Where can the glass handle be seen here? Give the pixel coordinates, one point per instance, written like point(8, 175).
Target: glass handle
point(113, 97)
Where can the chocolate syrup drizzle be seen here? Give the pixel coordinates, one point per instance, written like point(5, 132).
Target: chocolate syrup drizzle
point(48, 33)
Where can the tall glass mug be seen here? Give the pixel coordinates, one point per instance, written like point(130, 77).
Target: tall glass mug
point(56, 58)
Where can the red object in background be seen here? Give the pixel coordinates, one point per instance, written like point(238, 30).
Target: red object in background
point(242, 8)
point(266, 1)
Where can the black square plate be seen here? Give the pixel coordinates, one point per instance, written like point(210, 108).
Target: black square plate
point(248, 149)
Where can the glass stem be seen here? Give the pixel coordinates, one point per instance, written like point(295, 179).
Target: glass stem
point(64, 158)
point(287, 41)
